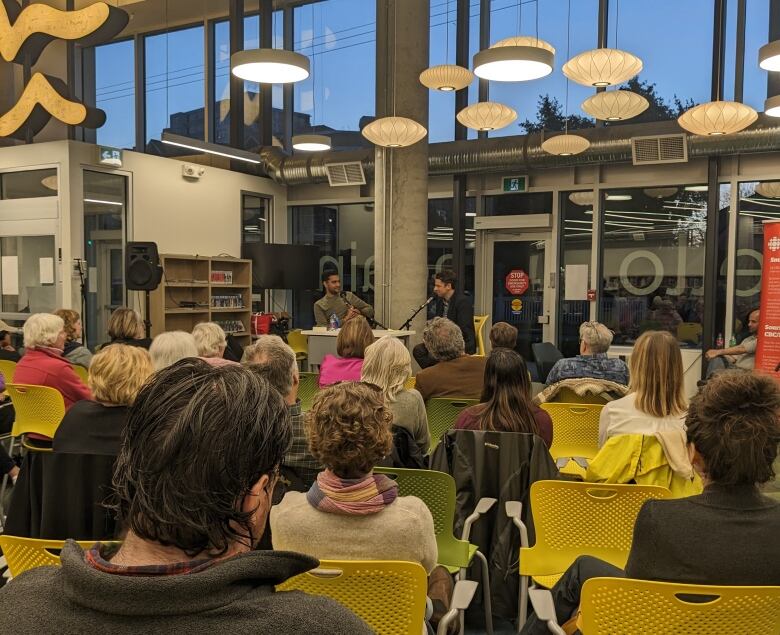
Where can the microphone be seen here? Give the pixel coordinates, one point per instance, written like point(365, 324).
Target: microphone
point(427, 302)
point(343, 296)
point(408, 322)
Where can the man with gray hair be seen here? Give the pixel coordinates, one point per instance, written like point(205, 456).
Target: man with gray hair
point(592, 362)
point(274, 360)
point(455, 374)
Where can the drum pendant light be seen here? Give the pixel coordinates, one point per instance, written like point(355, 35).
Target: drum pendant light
point(769, 56)
point(270, 66)
point(446, 77)
point(772, 106)
point(311, 142)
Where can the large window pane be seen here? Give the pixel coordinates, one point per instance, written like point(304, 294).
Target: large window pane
point(29, 184)
point(756, 35)
point(115, 93)
point(26, 283)
point(339, 36)
point(441, 243)
point(174, 87)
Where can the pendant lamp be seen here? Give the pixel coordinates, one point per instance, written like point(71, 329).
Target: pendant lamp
point(311, 142)
point(769, 190)
point(486, 115)
point(515, 59)
point(772, 106)
point(660, 192)
point(394, 132)
point(769, 56)
point(446, 77)
point(602, 67)
point(270, 66)
point(581, 198)
point(615, 105)
point(565, 145)
point(717, 118)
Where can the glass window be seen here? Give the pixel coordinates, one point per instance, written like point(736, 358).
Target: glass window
point(575, 260)
point(29, 184)
point(23, 287)
point(653, 242)
point(339, 37)
point(542, 102)
point(511, 204)
point(115, 93)
point(756, 35)
point(174, 87)
point(254, 214)
point(441, 243)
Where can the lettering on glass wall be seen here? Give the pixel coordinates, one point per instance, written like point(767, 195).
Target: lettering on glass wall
point(25, 33)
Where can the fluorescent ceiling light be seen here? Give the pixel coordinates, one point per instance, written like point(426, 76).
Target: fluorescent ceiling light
point(101, 202)
point(471, 213)
point(696, 188)
point(619, 197)
point(270, 66)
point(209, 148)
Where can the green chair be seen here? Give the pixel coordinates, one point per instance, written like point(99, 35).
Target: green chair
point(307, 389)
point(437, 491)
point(442, 413)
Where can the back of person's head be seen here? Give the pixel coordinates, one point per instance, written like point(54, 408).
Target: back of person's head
point(70, 319)
point(125, 324)
point(198, 438)
point(42, 329)
point(168, 348)
point(274, 360)
point(734, 425)
point(210, 339)
point(387, 364)
point(597, 336)
point(354, 337)
point(503, 335)
point(443, 339)
point(349, 428)
point(655, 367)
point(506, 394)
point(117, 372)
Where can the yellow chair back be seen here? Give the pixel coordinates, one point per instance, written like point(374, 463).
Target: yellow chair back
point(22, 554)
point(410, 383)
point(389, 596)
point(7, 368)
point(39, 409)
point(577, 519)
point(299, 343)
point(479, 327)
point(575, 432)
point(620, 606)
point(83, 373)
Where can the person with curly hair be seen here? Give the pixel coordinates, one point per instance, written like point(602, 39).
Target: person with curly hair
point(75, 351)
point(350, 513)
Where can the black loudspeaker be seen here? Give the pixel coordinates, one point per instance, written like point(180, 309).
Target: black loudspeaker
point(142, 267)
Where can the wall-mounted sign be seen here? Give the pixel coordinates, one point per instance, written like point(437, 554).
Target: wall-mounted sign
point(517, 306)
point(768, 347)
point(514, 184)
point(110, 156)
point(516, 282)
point(25, 33)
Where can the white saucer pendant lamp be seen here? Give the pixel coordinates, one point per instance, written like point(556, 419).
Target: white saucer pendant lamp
point(270, 66)
point(602, 67)
point(311, 142)
point(769, 189)
point(446, 77)
point(565, 145)
point(769, 56)
point(486, 116)
point(394, 132)
point(615, 105)
point(660, 192)
point(515, 59)
point(717, 118)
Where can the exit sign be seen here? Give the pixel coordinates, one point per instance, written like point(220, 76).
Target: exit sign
point(515, 184)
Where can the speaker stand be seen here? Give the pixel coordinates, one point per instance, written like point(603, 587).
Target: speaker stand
point(147, 316)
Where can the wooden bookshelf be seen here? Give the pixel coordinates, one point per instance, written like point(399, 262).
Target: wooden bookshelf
point(198, 289)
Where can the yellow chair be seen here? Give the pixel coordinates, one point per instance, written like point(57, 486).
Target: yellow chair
point(567, 395)
point(410, 383)
point(300, 345)
point(82, 373)
point(689, 332)
point(7, 368)
point(479, 325)
point(575, 435)
point(577, 519)
point(442, 413)
point(22, 554)
point(389, 596)
point(39, 410)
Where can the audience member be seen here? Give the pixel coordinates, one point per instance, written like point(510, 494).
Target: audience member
point(275, 361)
point(665, 315)
point(194, 482)
point(350, 513)
point(75, 351)
point(506, 400)
point(126, 326)
point(211, 342)
point(503, 335)
point(595, 339)
point(168, 348)
point(388, 365)
point(733, 436)
point(43, 363)
point(656, 400)
point(351, 343)
point(455, 373)
point(742, 356)
point(7, 351)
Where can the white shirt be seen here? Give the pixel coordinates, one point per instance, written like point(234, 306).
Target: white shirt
point(622, 417)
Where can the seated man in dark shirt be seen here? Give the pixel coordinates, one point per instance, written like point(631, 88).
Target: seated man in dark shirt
point(595, 339)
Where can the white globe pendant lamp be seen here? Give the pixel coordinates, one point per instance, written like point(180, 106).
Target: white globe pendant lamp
point(660, 192)
point(615, 105)
point(717, 118)
point(270, 66)
point(768, 189)
point(565, 145)
point(394, 132)
point(446, 77)
point(581, 198)
point(515, 59)
point(486, 116)
point(769, 56)
point(602, 67)
point(311, 142)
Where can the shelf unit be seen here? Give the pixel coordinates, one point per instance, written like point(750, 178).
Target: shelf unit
point(187, 279)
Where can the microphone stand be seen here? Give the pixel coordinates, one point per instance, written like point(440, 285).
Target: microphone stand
point(405, 326)
point(371, 321)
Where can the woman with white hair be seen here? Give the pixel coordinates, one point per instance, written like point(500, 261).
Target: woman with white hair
point(387, 364)
point(43, 363)
point(211, 342)
point(168, 348)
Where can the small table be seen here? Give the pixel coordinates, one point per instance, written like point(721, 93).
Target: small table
point(323, 343)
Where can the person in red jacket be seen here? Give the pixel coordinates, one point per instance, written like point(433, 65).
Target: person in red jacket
point(43, 363)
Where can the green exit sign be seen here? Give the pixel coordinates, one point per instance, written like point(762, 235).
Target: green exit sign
point(515, 184)
point(110, 156)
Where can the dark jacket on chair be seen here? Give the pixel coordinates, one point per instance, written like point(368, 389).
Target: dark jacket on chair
point(500, 465)
point(460, 311)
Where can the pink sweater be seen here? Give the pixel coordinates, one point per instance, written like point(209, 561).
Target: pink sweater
point(335, 369)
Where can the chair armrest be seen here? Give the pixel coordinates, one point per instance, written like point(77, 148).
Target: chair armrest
point(514, 509)
point(542, 601)
point(483, 506)
point(460, 601)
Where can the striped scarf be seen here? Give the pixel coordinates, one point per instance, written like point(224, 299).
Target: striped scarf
point(352, 497)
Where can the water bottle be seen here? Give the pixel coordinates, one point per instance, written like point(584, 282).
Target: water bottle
point(333, 322)
point(719, 341)
point(733, 341)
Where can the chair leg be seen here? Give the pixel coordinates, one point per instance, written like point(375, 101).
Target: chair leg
point(487, 604)
point(522, 605)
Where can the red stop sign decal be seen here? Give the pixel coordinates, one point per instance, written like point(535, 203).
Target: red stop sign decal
point(516, 282)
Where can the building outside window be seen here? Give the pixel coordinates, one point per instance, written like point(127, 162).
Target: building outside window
point(441, 242)
point(114, 90)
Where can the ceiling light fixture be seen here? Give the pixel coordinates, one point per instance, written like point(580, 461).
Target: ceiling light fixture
point(769, 56)
point(696, 188)
point(210, 148)
point(772, 106)
point(618, 197)
point(394, 132)
point(270, 66)
point(515, 59)
point(311, 142)
point(581, 198)
point(602, 67)
point(615, 105)
point(446, 77)
point(486, 115)
point(769, 189)
point(50, 182)
point(717, 118)
point(660, 192)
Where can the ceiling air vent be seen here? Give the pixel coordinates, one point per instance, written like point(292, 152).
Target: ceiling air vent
point(670, 148)
point(341, 174)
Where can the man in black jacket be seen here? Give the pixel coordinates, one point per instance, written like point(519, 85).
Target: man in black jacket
point(454, 306)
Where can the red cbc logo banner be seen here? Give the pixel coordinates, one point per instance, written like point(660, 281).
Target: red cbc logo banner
point(516, 282)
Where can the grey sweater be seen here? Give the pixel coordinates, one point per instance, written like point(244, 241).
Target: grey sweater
point(409, 412)
point(235, 596)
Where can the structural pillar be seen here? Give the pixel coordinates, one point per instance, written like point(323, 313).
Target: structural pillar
point(401, 174)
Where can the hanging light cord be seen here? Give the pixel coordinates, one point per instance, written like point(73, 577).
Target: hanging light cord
point(447, 35)
point(568, 46)
point(617, 21)
point(519, 16)
point(537, 22)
